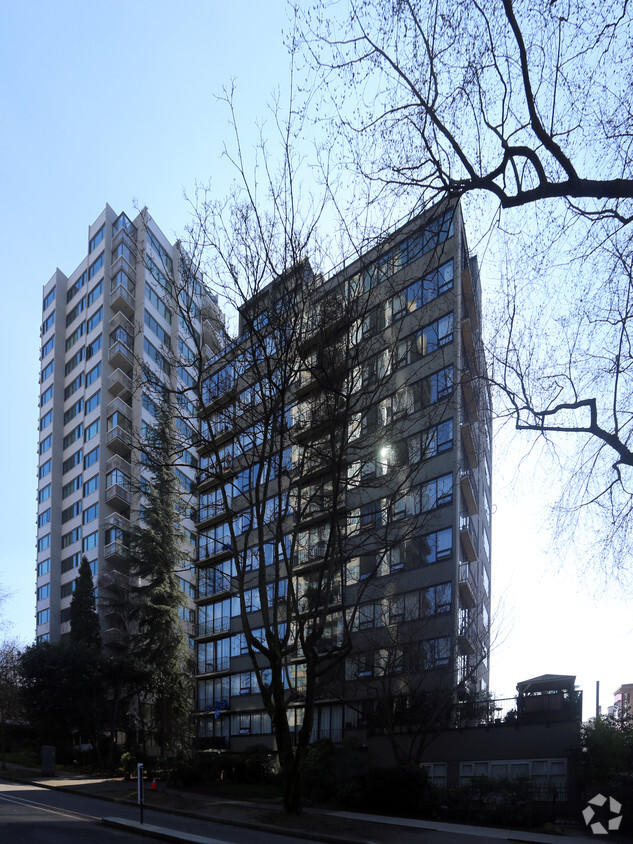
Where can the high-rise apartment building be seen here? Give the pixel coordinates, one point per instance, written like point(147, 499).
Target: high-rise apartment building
point(344, 492)
point(104, 329)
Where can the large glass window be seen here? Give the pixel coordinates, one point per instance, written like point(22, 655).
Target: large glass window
point(47, 348)
point(94, 320)
point(76, 287)
point(93, 402)
point(96, 240)
point(47, 395)
point(72, 411)
point(96, 266)
point(48, 323)
point(49, 299)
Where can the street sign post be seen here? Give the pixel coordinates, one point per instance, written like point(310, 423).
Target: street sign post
point(139, 776)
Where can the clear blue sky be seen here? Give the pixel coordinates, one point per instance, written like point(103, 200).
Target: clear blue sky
point(117, 104)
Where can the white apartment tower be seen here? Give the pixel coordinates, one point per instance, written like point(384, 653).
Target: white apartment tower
point(101, 326)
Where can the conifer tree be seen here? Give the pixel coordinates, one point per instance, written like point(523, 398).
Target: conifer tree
point(156, 544)
point(84, 621)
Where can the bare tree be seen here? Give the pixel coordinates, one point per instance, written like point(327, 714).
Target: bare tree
point(10, 653)
point(529, 108)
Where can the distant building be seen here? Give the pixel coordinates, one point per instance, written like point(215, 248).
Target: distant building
point(622, 701)
point(531, 736)
point(114, 312)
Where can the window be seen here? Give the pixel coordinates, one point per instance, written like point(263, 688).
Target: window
point(95, 293)
point(72, 411)
point(435, 652)
point(43, 616)
point(77, 333)
point(91, 485)
point(157, 302)
point(47, 395)
point(94, 320)
point(71, 486)
point(70, 512)
point(47, 348)
point(96, 240)
point(74, 361)
point(438, 545)
point(149, 405)
point(45, 469)
point(437, 386)
point(71, 562)
point(70, 537)
point(72, 461)
point(44, 592)
point(90, 541)
point(68, 589)
point(160, 250)
point(152, 352)
point(157, 329)
point(91, 513)
point(92, 376)
point(96, 266)
point(73, 436)
point(49, 299)
point(46, 420)
point(436, 600)
point(44, 567)
point(74, 386)
point(44, 518)
point(91, 458)
point(72, 315)
point(47, 371)
point(433, 441)
point(46, 443)
point(93, 402)
point(436, 493)
point(48, 323)
point(43, 543)
point(92, 430)
point(76, 287)
point(44, 494)
point(93, 347)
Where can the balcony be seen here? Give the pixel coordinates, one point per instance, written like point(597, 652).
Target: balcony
point(468, 536)
point(118, 496)
point(120, 354)
point(115, 581)
point(119, 440)
point(120, 384)
point(122, 299)
point(470, 300)
point(469, 389)
point(469, 490)
point(466, 638)
point(467, 587)
point(119, 436)
point(213, 626)
point(220, 663)
point(468, 442)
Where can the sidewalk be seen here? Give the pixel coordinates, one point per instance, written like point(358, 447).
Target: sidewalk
point(337, 827)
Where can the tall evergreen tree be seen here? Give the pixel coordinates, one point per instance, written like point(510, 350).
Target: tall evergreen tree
point(156, 552)
point(84, 621)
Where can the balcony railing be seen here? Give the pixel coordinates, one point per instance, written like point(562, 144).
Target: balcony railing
point(215, 625)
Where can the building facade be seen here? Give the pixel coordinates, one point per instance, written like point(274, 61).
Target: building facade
point(107, 330)
point(345, 499)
